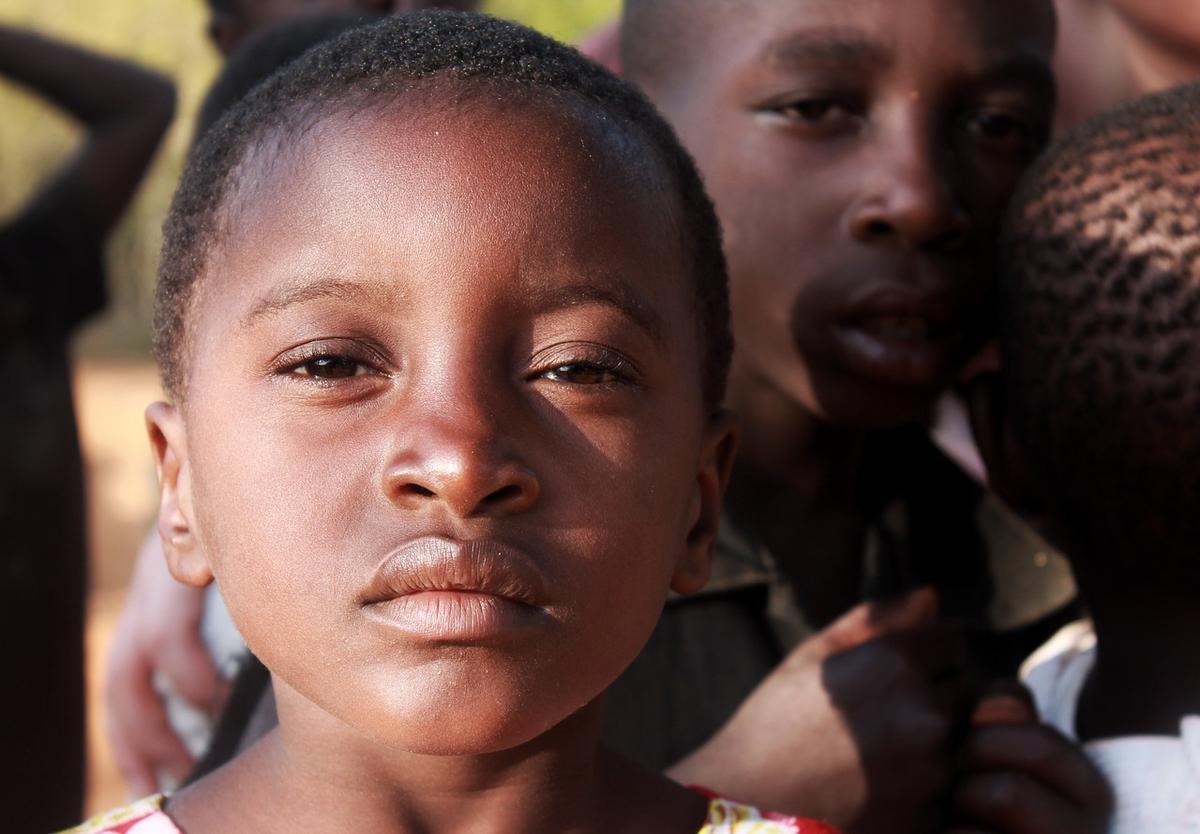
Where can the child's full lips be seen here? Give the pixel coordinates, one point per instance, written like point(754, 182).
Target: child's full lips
point(445, 590)
point(900, 337)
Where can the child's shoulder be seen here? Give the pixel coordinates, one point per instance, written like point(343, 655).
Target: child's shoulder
point(725, 817)
point(143, 817)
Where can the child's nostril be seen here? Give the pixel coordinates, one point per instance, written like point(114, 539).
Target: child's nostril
point(504, 494)
point(418, 490)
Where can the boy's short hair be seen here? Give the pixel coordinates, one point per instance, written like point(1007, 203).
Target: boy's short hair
point(379, 63)
point(267, 51)
point(1100, 329)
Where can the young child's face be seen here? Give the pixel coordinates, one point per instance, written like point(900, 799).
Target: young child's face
point(860, 153)
point(443, 443)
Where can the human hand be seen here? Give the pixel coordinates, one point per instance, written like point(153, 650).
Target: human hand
point(1022, 777)
point(159, 632)
point(857, 726)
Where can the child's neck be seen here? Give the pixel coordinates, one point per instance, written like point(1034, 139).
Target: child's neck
point(1146, 678)
point(315, 774)
point(796, 486)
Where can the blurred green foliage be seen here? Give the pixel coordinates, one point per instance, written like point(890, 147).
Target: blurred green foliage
point(166, 35)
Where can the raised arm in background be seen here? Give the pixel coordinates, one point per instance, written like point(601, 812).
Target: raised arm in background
point(124, 109)
point(51, 279)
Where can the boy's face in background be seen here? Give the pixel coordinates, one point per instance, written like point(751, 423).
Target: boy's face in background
point(860, 154)
point(444, 429)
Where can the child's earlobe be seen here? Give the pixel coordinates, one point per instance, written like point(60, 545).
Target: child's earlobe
point(176, 527)
point(716, 465)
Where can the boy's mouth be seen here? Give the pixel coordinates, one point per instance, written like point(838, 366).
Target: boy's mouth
point(900, 338)
point(449, 591)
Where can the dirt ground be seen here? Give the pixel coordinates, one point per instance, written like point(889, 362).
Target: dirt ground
point(110, 399)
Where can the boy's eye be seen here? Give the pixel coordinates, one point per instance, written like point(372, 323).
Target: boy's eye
point(584, 365)
point(330, 367)
point(1005, 132)
point(329, 361)
point(811, 112)
point(583, 373)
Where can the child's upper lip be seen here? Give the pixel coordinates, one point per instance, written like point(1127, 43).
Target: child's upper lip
point(936, 309)
point(442, 564)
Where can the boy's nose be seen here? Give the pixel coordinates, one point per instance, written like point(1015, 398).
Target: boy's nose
point(468, 470)
point(909, 201)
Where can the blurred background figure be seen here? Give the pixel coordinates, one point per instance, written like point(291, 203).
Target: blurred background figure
point(1110, 51)
point(51, 280)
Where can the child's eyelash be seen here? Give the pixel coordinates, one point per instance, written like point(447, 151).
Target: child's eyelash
point(328, 361)
point(587, 365)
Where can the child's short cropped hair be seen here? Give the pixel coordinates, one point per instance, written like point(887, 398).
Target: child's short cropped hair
point(382, 63)
point(267, 51)
point(1100, 330)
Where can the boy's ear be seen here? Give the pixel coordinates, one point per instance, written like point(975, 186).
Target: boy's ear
point(176, 520)
point(1009, 473)
point(716, 463)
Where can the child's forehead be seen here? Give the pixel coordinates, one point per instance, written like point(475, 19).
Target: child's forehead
point(871, 32)
point(433, 145)
point(378, 191)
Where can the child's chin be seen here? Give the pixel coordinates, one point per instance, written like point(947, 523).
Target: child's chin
point(858, 404)
point(471, 735)
point(472, 723)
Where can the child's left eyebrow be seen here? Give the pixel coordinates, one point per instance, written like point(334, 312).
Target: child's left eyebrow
point(614, 294)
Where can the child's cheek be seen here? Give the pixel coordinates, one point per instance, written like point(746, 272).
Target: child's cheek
point(271, 502)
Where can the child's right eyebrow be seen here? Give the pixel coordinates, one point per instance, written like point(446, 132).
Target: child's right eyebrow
point(280, 298)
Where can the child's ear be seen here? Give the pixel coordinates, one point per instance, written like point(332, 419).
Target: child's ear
point(1008, 469)
point(176, 521)
point(716, 464)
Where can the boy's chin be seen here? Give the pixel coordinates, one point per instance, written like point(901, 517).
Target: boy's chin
point(867, 407)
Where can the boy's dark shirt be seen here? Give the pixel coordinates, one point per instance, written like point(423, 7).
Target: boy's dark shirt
point(51, 279)
point(711, 649)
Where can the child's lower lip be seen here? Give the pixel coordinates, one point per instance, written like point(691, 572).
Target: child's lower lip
point(903, 360)
point(455, 616)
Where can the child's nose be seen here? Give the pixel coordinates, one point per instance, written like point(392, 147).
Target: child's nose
point(469, 469)
point(908, 200)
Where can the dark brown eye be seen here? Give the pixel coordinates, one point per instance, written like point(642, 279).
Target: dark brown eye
point(329, 367)
point(809, 110)
point(1005, 132)
point(583, 373)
